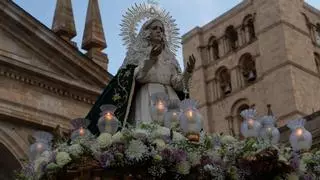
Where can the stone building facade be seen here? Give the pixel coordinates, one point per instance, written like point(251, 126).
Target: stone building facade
point(260, 52)
point(45, 80)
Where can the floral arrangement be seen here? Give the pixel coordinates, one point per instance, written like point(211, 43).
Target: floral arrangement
point(152, 151)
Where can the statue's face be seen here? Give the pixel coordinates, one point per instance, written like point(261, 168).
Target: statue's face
point(156, 32)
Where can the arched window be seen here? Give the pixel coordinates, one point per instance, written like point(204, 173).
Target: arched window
point(232, 37)
point(213, 48)
point(248, 27)
point(317, 61)
point(248, 68)
point(236, 109)
point(224, 80)
point(240, 118)
point(318, 34)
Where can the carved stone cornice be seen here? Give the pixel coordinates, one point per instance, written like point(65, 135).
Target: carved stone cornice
point(53, 88)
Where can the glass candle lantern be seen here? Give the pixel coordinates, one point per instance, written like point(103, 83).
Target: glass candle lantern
point(250, 127)
point(42, 143)
point(108, 122)
point(300, 138)
point(268, 131)
point(79, 128)
point(171, 117)
point(158, 107)
point(191, 120)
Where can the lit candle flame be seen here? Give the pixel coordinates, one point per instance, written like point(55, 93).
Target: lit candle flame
point(108, 116)
point(81, 131)
point(190, 114)
point(39, 146)
point(160, 105)
point(299, 132)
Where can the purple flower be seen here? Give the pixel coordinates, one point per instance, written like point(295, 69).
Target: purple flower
point(106, 159)
point(179, 155)
point(295, 161)
point(307, 177)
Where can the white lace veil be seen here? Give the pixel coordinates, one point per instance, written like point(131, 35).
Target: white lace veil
point(140, 49)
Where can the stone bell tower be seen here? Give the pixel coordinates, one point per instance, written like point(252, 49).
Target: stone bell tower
point(260, 52)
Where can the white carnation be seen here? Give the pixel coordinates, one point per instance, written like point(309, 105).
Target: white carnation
point(136, 150)
point(140, 133)
point(118, 137)
point(161, 132)
point(160, 143)
point(183, 167)
point(104, 140)
point(75, 150)
point(228, 139)
point(62, 158)
point(178, 137)
point(194, 158)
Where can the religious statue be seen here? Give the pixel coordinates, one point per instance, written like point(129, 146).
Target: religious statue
point(150, 67)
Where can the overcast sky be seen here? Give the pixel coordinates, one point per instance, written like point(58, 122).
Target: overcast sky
point(188, 14)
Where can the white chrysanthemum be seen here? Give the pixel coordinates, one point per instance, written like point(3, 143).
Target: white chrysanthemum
point(104, 140)
point(46, 155)
point(292, 176)
point(214, 155)
point(75, 150)
point(305, 157)
point(194, 158)
point(160, 143)
point(52, 166)
point(178, 137)
point(183, 167)
point(161, 132)
point(228, 139)
point(118, 137)
point(38, 162)
point(136, 150)
point(140, 133)
point(62, 158)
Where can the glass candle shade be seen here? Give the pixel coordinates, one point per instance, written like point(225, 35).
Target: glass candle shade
point(79, 128)
point(171, 117)
point(250, 127)
point(108, 122)
point(158, 107)
point(300, 138)
point(42, 143)
point(268, 131)
point(191, 120)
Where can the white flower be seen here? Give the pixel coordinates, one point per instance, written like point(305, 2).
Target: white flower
point(183, 167)
point(62, 158)
point(161, 132)
point(136, 150)
point(118, 137)
point(178, 137)
point(75, 150)
point(46, 155)
point(140, 133)
point(194, 158)
point(52, 166)
point(228, 139)
point(292, 176)
point(304, 158)
point(39, 162)
point(159, 143)
point(104, 140)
